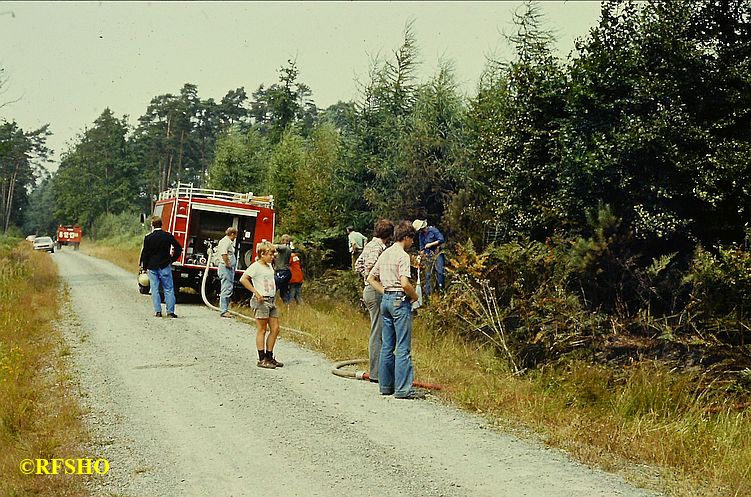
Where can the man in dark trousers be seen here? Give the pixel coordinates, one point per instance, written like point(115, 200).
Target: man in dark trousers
point(160, 250)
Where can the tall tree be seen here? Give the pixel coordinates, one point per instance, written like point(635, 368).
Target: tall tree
point(240, 162)
point(383, 120)
point(39, 216)
point(517, 115)
point(22, 158)
point(660, 119)
point(98, 175)
point(282, 105)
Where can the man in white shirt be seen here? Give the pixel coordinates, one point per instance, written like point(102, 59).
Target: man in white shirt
point(226, 252)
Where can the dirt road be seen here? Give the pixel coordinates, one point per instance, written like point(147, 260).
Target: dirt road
point(179, 408)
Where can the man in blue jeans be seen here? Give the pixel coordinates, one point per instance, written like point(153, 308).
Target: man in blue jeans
point(226, 269)
point(160, 250)
point(390, 277)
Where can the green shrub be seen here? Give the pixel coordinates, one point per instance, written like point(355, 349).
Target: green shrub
point(123, 229)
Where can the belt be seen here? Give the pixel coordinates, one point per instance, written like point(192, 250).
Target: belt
point(395, 292)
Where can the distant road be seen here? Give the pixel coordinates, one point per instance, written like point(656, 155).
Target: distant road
point(179, 408)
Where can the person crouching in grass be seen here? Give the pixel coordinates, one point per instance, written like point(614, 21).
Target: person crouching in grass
point(259, 280)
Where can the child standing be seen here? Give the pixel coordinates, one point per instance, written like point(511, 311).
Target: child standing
point(295, 282)
point(259, 279)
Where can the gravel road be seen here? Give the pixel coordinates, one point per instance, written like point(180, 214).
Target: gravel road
point(179, 408)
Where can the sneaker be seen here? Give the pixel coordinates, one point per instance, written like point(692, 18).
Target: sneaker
point(157, 314)
point(225, 314)
point(275, 362)
point(411, 395)
point(266, 364)
point(171, 315)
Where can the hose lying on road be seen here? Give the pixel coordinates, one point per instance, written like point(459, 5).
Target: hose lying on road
point(364, 375)
point(243, 316)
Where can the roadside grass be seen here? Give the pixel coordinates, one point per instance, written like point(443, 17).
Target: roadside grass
point(642, 421)
point(39, 416)
point(123, 251)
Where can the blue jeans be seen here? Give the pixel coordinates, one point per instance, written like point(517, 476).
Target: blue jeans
point(295, 292)
point(395, 371)
point(164, 277)
point(436, 263)
point(227, 279)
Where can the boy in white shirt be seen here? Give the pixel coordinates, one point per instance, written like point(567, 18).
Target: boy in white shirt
point(259, 279)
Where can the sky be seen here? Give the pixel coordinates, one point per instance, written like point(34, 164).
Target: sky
point(65, 62)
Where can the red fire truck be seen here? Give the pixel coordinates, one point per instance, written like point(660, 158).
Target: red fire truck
point(198, 217)
point(69, 235)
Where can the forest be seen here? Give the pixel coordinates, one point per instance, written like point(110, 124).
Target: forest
point(584, 199)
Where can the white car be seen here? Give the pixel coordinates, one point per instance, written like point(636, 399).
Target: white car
point(44, 243)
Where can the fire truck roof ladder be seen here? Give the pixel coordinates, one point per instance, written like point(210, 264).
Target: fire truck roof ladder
point(187, 191)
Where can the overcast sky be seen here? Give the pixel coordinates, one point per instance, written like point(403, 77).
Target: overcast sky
point(68, 61)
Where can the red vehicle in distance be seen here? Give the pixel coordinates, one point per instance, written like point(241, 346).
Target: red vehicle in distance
point(69, 235)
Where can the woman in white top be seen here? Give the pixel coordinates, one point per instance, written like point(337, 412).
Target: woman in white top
point(259, 279)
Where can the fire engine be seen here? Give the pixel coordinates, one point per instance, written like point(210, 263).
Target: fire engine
point(69, 235)
point(198, 218)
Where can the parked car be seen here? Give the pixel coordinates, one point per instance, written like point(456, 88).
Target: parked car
point(30, 238)
point(44, 243)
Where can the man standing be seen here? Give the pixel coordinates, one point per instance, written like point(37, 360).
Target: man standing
point(160, 250)
point(226, 270)
point(356, 243)
point(382, 233)
point(390, 277)
point(430, 251)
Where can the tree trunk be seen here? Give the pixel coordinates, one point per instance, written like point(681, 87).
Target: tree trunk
point(7, 208)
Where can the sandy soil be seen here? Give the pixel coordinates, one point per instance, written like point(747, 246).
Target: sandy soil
point(179, 408)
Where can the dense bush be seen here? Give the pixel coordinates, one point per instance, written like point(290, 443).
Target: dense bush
point(124, 228)
point(537, 302)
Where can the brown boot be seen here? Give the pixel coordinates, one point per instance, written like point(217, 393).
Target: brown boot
point(266, 364)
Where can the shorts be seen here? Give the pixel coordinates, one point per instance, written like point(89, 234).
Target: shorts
point(266, 309)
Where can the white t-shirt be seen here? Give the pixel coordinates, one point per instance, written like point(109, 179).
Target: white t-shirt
point(262, 277)
point(226, 246)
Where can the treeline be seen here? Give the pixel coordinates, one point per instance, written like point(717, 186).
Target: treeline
point(634, 152)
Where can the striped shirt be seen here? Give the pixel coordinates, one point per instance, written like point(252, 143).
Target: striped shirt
point(368, 257)
point(391, 266)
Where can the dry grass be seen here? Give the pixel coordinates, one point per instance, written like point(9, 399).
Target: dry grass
point(39, 418)
point(642, 422)
point(124, 254)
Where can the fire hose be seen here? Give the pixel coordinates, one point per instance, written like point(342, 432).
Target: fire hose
point(209, 256)
point(364, 375)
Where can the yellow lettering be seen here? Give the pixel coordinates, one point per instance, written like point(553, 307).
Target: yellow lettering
point(84, 469)
point(42, 468)
point(70, 466)
point(106, 465)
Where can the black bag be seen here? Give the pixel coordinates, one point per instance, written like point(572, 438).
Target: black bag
point(282, 277)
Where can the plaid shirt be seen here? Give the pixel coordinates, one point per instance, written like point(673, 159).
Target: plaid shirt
point(368, 257)
point(391, 266)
